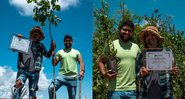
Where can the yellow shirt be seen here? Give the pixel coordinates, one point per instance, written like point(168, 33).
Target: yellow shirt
point(68, 62)
point(126, 77)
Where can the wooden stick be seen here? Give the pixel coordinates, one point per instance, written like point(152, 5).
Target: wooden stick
point(80, 88)
point(54, 83)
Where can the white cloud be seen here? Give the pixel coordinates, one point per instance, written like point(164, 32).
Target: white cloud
point(2, 71)
point(43, 81)
point(22, 7)
point(25, 9)
point(8, 77)
point(143, 22)
point(65, 4)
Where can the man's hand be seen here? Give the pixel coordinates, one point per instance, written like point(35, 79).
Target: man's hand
point(53, 53)
point(81, 74)
point(143, 71)
point(110, 74)
point(53, 46)
point(175, 70)
point(19, 35)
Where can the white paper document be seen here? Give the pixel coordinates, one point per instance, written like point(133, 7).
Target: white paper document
point(20, 44)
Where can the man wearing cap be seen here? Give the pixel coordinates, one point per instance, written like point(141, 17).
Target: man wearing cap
point(122, 82)
point(154, 85)
point(29, 65)
point(68, 75)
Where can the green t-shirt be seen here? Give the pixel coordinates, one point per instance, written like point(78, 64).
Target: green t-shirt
point(68, 62)
point(126, 68)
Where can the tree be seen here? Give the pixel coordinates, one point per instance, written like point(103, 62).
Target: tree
point(44, 9)
point(106, 30)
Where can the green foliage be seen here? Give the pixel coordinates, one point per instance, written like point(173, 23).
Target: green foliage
point(103, 35)
point(106, 30)
point(44, 9)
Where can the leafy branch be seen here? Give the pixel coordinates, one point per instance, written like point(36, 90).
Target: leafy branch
point(44, 9)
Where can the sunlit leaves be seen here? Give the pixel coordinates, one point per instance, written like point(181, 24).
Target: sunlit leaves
point(44, 9)
point(106, 31)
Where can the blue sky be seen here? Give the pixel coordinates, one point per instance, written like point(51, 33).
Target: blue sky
point(16, 17)
point(146, 7)
point(77, 20)
point(173, 8)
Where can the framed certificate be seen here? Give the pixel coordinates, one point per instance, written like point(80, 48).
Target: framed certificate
point(159, 60)
point(20, 44)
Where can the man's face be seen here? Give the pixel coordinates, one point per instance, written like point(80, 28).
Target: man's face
point(151, 40)
point(35, 36)
point(68, 43)
point(126, 33)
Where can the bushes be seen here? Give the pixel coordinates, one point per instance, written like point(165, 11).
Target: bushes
point(106, 31)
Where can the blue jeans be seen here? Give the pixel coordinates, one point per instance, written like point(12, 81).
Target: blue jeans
point(69, 82)
point(121, 95)
point(32, 77)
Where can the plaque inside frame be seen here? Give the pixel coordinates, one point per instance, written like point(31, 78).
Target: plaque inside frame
point(20, 44)
point(159, 59)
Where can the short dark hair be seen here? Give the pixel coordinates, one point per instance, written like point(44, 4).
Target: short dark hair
point(68, 36)
point(128, 23)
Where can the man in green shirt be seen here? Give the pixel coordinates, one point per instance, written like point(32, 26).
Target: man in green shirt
point(122, 83)
point(68, 57)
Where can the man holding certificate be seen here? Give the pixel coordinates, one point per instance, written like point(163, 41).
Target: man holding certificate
point(29, 64)
point(155, 62)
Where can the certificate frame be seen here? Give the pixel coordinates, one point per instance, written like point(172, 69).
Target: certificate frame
point(159, 60)
point(20, 44)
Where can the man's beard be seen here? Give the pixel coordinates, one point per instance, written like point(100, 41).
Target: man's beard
point(35, 38)
point(152, 43)
point(68, 45)
point(125, 37)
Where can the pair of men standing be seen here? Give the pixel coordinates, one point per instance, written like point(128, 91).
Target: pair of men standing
point(122, 83)
point(29, 65)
